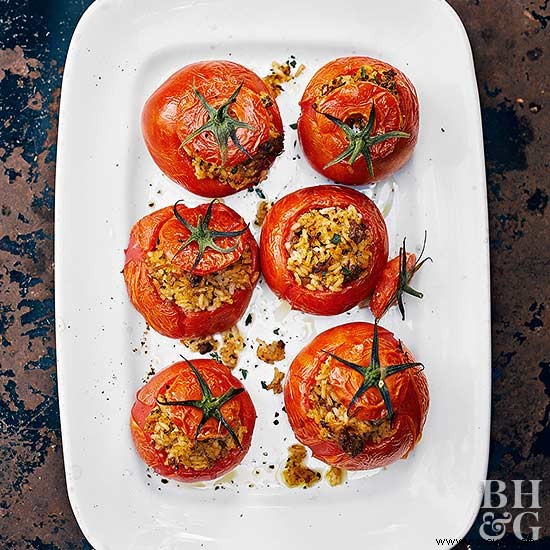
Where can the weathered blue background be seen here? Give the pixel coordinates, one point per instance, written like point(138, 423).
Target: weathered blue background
point(511, 44)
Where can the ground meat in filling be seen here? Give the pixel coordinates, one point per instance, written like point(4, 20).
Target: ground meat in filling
point(328, 412)
point(385, 79)
point(182, 451)
point(247, 173)
point(199, 293)
point(328, 248)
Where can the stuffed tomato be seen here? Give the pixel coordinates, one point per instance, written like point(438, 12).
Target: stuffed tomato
point(191, 271)
point(356, 397)
point(359, 120)
point(193, 421)
point(323, 248)
point(213, 127)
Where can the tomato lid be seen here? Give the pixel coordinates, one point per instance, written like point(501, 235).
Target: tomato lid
point(204, 239)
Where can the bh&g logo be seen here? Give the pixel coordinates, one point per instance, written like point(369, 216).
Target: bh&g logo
point(495, 498)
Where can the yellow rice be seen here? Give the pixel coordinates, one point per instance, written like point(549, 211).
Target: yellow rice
point(328, 248)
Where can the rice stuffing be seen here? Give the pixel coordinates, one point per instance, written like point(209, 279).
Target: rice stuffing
point(295, 472)
point(280, 74)
point(181, 450)
point(328, 248)
point(270, 353)
point(275, 385)
point(350, 433)
point(335, 476)
point(233, 344)
point(199, 293)
point(201, 345)
point(261, 213)
point(247, 173)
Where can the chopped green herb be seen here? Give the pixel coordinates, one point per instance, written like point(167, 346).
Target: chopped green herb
point(264, 385)
point(294, 125)
point(335, 238)
point(276, 331)
point(248, 319)
point(244, 372)
point(215, 356)
point(259, 192)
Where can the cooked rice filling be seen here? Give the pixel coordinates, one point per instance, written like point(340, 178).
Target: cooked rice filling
point(331, 415)
point(384, 79)
point(296, 473)
point(328, 248)
point(199, 293)
point(182, 451)
point(247, 173)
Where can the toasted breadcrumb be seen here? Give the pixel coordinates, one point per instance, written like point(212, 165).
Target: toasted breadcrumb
point(201, 345)
point(335, 476)
point(296, 473)
point(276, 384)
point(261, 212)
point(281, 73)
point(233, 344)
point(271, 353)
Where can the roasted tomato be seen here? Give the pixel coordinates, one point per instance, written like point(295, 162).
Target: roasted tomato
point(359, 120)
point(193, 421)
point(191, 271)
point(213, 127)
point(323, 248)
point(394, 282)
point(356, 397)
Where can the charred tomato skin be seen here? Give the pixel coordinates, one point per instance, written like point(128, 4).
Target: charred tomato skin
point(387, 285)
point(173, 112)
point(408, 390)
point(275, 233)
point(180, 376)
point(322, 140)
point(164, 315)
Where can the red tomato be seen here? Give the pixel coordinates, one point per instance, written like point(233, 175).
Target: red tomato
point(179, 383)
point(348, 89)
point(163, 231)
point(277, 232)
point(251, 134)
point(385, 291)
point(407, 392)
point(395, 279)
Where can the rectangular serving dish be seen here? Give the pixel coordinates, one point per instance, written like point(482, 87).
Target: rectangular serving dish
point(121, 51)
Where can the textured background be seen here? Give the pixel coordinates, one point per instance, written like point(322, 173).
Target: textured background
point(511, 43)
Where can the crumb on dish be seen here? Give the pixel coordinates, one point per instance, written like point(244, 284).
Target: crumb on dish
point(295, 472)
point(270, 353)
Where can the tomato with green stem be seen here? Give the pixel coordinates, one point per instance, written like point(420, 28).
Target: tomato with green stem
point(213, 127)
point(359, 120)
point(394, 282)
point(193, 421)
point(178, 254)
point(356, 397)
point(357, 254)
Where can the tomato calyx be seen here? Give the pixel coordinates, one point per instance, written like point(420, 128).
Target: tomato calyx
point(204, 236)
point(360, 140)
point(405, 276)
point(374, 375)
point(221, 124)
point(208, 404)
